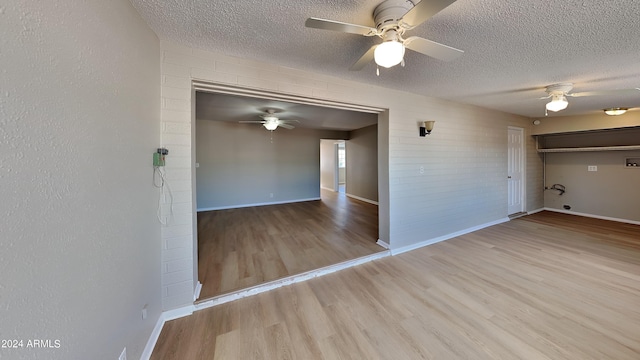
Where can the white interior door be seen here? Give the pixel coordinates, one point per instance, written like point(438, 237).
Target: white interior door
point(515, 170)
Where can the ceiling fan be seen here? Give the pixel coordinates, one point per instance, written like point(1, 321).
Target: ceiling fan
point(559, 93)
point(271, 122)
point(392, 19)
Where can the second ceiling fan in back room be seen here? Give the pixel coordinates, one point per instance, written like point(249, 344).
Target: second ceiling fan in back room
point(392, 18)
point(271, 122)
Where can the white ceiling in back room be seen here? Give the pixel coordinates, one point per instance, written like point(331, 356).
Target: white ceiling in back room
point(513, 49)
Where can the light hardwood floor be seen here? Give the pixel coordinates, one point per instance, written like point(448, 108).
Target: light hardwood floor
point(240, 248)
point(545, 286)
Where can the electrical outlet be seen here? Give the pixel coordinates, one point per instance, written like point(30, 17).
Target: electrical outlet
point(271, 195)
point(123, 355)
point(592, 168)
point(144, 312)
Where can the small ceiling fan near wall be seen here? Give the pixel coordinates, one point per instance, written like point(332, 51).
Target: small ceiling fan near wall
point(558, 94)
point(272, 122)
point(392, 19)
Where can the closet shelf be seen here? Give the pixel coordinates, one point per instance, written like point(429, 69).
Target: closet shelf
point(592, 148)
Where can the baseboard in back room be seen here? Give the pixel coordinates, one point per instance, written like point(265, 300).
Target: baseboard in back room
point(362, 199)
point(256, 204)
point(627, 221)
point(534, 211)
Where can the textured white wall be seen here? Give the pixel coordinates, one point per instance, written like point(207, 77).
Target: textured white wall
point(453, 180)
point(79, 111)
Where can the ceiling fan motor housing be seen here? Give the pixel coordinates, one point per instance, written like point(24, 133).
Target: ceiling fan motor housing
point(388, 13)
point(559, 89)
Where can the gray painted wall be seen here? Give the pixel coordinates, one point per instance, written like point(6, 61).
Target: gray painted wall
point(612, 191)
point(244, 164)
point(79, 110)
point(362, 163)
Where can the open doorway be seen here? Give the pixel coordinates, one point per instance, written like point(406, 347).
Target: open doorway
point(333, 165)
point(261, 213)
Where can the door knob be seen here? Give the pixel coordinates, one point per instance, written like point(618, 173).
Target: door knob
point(508, 177)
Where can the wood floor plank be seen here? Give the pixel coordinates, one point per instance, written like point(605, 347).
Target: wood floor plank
point(543, 286)
point(240, 248)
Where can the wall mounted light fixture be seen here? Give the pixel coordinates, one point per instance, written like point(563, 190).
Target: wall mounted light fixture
point(426, 128)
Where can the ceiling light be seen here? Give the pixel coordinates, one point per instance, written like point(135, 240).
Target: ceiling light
point(389, 53)
point(615, 111)
point(271, 125)
point(558, 103)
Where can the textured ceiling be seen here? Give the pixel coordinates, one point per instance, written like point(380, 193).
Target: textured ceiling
point(219, 107)
point(513, 48)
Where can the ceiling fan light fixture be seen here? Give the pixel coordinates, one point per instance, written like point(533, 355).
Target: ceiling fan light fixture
point(559, 102)
point(389, 53)
point(615, 111)
point(271, 125)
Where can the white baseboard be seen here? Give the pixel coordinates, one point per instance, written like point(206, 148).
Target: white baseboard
point(256, 204)
point(445, 237)
point(196, 292)
point(627, 221)
point(326, 188)
point(222, 299)
point(153, 339)
point(535, 211)
point(178, 313)
point(383, 244)
point(362, 199)
point(164, 317)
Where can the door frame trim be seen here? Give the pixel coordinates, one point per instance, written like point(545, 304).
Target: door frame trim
point(523, 185)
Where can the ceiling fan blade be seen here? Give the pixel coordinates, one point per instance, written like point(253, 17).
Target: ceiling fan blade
point(364, 60)
point(606, 92)
point(286, 126)
point(340, 26)
point(432, 48)
point(251, 122)
point(423, 11)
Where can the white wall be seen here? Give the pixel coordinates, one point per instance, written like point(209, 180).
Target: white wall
point(244, 164)
point(79, 110)
point(453, 180)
